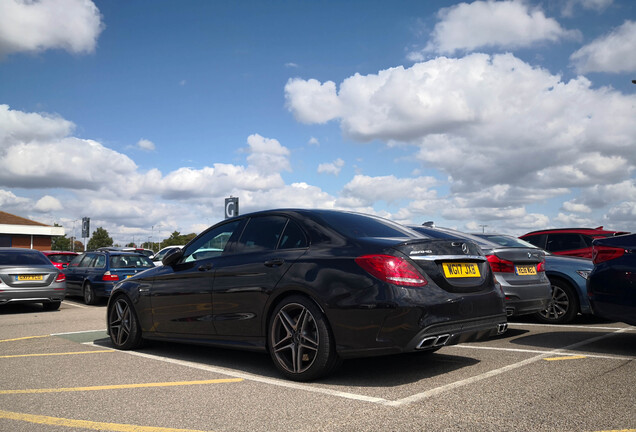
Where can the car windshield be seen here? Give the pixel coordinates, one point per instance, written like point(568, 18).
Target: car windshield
point(22, 258)
point(130, 261)
point(357, 226)
point(508, 241)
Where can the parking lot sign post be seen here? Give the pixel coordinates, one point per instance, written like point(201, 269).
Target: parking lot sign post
point(86, 225)
point(231, 207)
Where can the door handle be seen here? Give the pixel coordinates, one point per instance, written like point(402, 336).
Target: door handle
point(276, 262)
point(205, 267)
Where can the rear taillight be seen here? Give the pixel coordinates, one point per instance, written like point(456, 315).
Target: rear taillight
point(108, 277)
point(606, 253)
point(541, 266)
point(393, 270)
point(61, 277)
point(499, 265)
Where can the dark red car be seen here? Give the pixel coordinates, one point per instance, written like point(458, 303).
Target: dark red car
point(568, 241)
point(60, 259)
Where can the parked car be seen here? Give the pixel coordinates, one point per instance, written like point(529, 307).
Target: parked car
point(567, 275)
point(146, 252)
point(156, 258)
point(611, 286)
point(568, 241)
point(519, 270)
point(60, 259)
point(311, 287)
point(27, 276)
point(92, 275)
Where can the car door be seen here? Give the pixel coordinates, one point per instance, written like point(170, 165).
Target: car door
point(244, 278)
point(181, 294)
point(76, 271)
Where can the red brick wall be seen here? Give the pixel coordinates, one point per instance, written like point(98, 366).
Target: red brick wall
point(24, 241)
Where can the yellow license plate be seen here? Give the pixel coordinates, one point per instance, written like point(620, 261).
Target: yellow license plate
point(526, 270)
point(459, 270)
point(29, 278)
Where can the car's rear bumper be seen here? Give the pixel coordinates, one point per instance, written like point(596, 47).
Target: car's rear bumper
point(13, 295)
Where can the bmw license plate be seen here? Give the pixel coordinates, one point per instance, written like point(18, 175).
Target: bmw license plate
point(22, 278)
point(526, 270)
point(460, 270)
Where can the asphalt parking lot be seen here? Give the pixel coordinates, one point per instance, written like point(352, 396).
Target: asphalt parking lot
point(60, 373)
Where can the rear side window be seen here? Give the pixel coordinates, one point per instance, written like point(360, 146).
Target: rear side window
point(19, 258)
point(261, 233)
point(563, 242)
point(537, 240)
point(293, 237)
point(86, 260)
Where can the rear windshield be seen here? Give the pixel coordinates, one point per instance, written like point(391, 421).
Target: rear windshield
point(23, 258)
point(357, 226)
point(61, 258)
point(130, 261)
point(508, 241)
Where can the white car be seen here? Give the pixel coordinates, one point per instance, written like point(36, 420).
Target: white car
point(156, 258)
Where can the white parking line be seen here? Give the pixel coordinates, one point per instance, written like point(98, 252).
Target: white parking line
point(569, 326)
point(381, 401)
point(68, 303)
point(608, 357)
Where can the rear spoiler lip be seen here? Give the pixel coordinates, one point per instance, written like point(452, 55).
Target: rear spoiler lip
point(447, 257)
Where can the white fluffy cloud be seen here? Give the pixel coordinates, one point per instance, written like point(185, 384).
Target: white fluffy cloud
point(613, 52)
point(492, 24)
point(492, 120)
point(146, 145)
point(47, 204)
point(32, 26)
point(331, 167)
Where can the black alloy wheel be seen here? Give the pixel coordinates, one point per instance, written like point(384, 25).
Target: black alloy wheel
point(563, 306)
point(299, 340)
point(123, 326)
point(89, 294)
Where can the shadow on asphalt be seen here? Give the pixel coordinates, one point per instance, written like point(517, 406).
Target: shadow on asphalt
point(384, 371)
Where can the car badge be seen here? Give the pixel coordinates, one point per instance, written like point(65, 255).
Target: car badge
point(529, 255)
point(465, 248)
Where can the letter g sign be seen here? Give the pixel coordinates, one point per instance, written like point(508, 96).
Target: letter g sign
point(231, 207)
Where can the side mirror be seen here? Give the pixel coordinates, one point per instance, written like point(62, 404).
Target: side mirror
point(172, 257)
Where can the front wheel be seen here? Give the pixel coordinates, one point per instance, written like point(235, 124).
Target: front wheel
point(123, 326)
point(563, 306)
point(299, 340)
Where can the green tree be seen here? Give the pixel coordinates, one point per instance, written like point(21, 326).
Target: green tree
point(60, 243)
point(99, 239)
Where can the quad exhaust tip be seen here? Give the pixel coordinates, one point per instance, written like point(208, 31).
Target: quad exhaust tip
point(501, 328)
point(433, 341)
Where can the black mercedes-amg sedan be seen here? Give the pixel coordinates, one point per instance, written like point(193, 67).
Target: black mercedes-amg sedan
point(311, 287)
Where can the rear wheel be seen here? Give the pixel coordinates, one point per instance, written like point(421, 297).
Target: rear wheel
point(51, 306)
point(563, 307)
point(299, 340)
point(89, 294)
point(123, 326)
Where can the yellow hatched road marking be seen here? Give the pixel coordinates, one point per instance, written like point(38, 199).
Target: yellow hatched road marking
point(57, 354)
point(121, 386)
point(24, 338)
point(84, 424)
point(572, 357)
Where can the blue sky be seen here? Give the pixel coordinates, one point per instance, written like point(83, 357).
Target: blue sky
point(145, 115)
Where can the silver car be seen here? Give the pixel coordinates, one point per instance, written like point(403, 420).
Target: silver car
point(520, 270)
point(27, 275)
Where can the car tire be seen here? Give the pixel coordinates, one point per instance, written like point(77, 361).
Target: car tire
point(51, 306)
point(563, 307)
point(300, 341)
point(123, 325)
point(89, 294)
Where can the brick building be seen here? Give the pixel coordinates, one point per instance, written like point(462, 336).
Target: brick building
point(19, 232)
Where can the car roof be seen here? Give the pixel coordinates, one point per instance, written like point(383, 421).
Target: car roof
point(597, 230)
